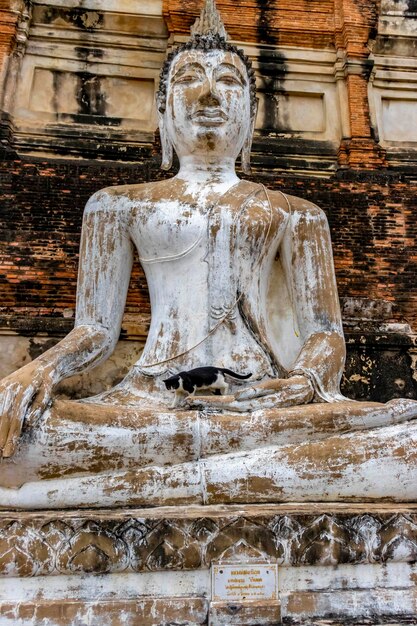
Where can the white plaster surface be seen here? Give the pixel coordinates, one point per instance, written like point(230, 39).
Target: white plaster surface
point(199, 582)
point(345, 590)
point(120, 586)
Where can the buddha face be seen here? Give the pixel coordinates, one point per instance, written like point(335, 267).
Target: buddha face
point(208, 104)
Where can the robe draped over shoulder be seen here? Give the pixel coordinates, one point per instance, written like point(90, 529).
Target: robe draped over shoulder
point(284, 270)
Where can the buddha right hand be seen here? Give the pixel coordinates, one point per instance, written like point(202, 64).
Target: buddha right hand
point(24, 396)
point(297, 389)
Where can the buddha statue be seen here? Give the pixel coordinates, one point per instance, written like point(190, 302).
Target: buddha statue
point(239, 277)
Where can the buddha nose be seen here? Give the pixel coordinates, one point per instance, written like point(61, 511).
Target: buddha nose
point(209, 95)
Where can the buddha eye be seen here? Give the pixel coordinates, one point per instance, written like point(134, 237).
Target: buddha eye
point(229, 79)
point(186, 79)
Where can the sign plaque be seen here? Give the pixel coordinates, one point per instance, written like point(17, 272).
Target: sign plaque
point(245, 582)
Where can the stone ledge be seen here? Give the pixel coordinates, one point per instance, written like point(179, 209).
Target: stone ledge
point(190, 538)
point(219, 510)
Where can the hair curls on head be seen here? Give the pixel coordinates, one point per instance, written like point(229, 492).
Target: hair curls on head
point(205, 43)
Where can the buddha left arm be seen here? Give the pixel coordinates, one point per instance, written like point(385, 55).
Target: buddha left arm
point(307, 258)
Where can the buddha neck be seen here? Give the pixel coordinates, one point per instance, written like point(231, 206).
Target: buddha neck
point(203, 173)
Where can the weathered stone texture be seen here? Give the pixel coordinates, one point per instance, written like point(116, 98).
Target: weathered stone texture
point(74, 543)
point(147, 612)
point(338, 565)
point(337, 84)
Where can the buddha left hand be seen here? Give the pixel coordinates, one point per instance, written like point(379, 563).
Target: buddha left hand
point(275, 393)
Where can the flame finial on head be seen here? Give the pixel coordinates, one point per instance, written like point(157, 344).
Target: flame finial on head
point(209, 22)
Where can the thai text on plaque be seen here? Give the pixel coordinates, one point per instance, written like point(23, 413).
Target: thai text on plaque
point(245, 582)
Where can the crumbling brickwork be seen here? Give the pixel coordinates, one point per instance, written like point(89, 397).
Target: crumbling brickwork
point(371, 216)
point(8, 25)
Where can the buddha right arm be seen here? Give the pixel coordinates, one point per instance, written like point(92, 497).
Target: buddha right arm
point(103, 279)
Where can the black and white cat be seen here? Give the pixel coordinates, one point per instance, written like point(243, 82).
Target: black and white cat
point(187, 383)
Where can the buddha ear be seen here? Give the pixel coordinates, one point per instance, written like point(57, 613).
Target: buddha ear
point(167, 149)
point(247, 146)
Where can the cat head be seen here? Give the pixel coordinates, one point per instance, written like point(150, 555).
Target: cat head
point(173, 382)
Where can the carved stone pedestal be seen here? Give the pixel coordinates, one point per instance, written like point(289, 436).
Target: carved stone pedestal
point(335, 564)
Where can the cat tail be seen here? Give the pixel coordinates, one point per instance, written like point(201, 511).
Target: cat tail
point(234, 375)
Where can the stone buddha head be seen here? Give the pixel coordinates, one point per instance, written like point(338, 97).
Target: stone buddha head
point(207, 96)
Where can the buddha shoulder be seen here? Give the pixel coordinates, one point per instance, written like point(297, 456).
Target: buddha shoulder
point(299, 209)
point(121, 197)
point(302, 211)
point(305, 208)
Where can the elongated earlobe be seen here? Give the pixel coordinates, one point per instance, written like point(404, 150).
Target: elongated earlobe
point(247, 146)
point(167, 149)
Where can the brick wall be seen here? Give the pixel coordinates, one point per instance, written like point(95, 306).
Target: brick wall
point(8, 23)
point(371, 215)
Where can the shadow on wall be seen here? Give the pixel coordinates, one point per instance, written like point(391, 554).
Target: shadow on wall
point(271, 67)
